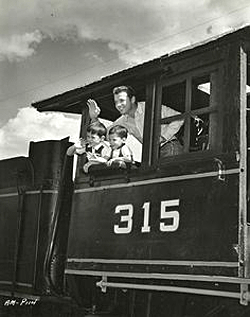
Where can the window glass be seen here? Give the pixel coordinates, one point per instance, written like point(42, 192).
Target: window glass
point(174, 96)
point(173, 106)
point(200, 92)
point(199, 123)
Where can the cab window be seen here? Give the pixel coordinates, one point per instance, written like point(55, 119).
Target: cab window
point(192, 100)
point(132, 143)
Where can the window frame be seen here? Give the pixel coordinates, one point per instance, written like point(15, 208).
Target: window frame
point(152, 123)
point(213, 110)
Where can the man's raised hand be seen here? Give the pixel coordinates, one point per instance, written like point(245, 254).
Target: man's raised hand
point(94, 110)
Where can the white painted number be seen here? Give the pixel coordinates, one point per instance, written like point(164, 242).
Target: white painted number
point(174, 215)
point(127, 219)
point(146, 227)
point(169, 218)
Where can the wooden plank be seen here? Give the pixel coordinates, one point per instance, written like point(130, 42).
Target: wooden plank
point(156, 119)
point(147, 150)
point(81, 159)
point(215, 130)
point(243, 163)
point(187, 122)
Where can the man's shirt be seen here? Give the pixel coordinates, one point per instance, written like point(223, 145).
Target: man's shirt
point(135, 124)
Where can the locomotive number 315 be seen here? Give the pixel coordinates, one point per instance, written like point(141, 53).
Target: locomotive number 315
point(169, 218)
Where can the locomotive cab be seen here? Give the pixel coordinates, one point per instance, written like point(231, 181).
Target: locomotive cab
point(174, 229)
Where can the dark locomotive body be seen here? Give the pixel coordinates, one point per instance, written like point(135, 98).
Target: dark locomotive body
point(35, 211)
point(167, 237)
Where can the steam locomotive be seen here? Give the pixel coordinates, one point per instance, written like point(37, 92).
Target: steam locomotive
point(168, 237)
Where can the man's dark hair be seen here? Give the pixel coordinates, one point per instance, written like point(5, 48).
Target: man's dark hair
point(129, 90)
point(97, 128)
point(121, 131)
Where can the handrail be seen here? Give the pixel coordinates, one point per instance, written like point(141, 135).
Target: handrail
point(103, 284)
point(162, 276)
point(221, 169)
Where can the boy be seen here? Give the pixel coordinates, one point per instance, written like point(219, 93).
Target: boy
point(95, 147)
point(120, 152)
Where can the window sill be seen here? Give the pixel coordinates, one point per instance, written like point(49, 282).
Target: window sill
point(187, 163)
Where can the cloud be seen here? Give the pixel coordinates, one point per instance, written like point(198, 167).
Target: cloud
point(99, 31)
point(136, 32)
point(18, 47)
point(30, 125)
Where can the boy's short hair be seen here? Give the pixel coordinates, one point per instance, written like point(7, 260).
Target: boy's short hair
point(97, 128)
point(121, 131)
point(129, 90)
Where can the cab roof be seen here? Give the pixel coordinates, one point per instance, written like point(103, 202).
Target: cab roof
point(72, 101)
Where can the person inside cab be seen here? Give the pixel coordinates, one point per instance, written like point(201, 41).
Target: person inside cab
point(97, 150)
point(132, 118)
point(121, 155)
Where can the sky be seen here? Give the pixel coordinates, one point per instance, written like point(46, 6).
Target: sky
point(52, 46)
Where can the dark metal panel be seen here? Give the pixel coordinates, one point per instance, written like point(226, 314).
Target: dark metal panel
point(207, 229)
point(17, 171)
point(27, 235)
point(26, 213)
point(8, 223)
